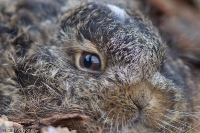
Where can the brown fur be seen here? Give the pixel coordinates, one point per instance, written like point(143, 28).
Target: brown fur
point(136, 89)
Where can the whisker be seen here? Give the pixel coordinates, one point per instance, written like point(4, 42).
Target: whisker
point(123, 124)
point(101, 118)
point(193, 129)
point(111, 124)
point(104, 123)
point(178, 121)
point(117, 122)
point(186, 36)
point(166, 123)
point(191, 115)
point(131, 123)
point(163, 127)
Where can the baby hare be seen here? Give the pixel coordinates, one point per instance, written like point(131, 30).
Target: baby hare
point(103, 63)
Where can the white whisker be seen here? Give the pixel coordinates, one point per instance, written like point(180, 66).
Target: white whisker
point(186, 36)
point(101, 118)
point(185, 124)
point(111, 125)
point(107, 116)
point(170, 125)
point(163, 127)
point(117, 122)
point(191, 115)
point(193, 129)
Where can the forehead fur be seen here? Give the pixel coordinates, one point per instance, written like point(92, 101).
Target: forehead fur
point(130, 40)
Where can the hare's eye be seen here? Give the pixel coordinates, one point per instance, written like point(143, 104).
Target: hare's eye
point(90, 61)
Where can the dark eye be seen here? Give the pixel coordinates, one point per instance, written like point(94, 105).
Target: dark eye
point(90, 61)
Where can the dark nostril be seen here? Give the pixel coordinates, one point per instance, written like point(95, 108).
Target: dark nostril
point(137, 103)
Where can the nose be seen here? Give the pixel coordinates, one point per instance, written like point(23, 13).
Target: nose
point(141, 94)
point(138, 90)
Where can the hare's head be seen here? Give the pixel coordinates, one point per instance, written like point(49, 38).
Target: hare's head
point(105, 64)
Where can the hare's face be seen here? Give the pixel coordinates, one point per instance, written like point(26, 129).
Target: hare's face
point(114, 58)
point(105, 65)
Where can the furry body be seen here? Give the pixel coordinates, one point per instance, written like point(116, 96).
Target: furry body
point(132, 92)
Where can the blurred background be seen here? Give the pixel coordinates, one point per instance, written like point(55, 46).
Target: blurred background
point(179, 24)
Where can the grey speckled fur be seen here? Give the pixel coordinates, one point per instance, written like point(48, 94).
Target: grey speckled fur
point(136, 89)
